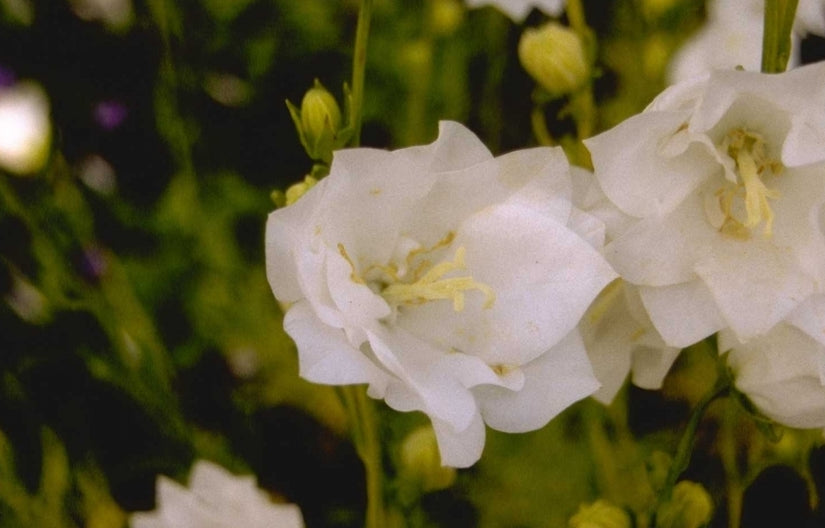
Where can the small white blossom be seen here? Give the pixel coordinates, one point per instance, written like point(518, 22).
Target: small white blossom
point(448, 280)
point(725, 178)
point(783, 372)
point(519, 9)
point(25, 129)
point(217, 499)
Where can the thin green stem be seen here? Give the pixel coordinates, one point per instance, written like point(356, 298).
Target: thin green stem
point(776, 37)
point(682, 457)
point(359, 66)
point(364, 430)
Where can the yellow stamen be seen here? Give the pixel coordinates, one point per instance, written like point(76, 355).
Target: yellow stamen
point(432, 286)
point(748, 151)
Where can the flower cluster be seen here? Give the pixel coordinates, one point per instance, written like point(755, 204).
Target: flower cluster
point(465, 286)
point(722, 178)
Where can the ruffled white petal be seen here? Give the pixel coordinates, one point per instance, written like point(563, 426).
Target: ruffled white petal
point(460, 448)
point(780, 374)
point(325, 354)
point(553, 381)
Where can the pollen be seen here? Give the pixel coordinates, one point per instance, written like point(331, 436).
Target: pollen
point(747, 149)
point(430, 283)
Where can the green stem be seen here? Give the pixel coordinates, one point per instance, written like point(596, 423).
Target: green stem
point(364, 430)
point(776, 37)
point(682, 457)
point(727, 452)
point(359, 66)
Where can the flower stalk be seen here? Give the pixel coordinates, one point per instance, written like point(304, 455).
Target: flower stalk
point(364, 430)
point(359, 66)
point(776, 38)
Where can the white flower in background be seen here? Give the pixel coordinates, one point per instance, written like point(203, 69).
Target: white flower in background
point(450, 281)
point(215, 498)
point(732, 36)
point(114, 14)
point(25, 129)
point(618, 334)
point(783, 372)
point(725, 177)
point(810, 17)
point(519, 9)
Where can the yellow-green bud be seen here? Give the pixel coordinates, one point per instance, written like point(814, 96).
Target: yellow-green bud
point(318, 122)
point(554, 56)
point(600, 514)
point(690, 506)
point(445, 16)
point(320, 115)
point(299, 189)
point(420, 462)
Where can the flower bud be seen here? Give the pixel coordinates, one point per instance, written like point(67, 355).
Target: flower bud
point(25, 129)
point(445, 16)
point(297, 190)
point(690, 506)
point(318, 122)
point(600, 514)
point(420, 462)
point(554, 56)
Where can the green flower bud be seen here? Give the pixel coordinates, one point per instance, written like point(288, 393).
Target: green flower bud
point(690, 506)
point(600, 514)
point(554, 56)
point(318, 122)
point(445, 16)
point(420, 462)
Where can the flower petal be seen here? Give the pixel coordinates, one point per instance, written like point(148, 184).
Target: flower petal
point(553, 382)
point(636, 176)
point(460, 447)
point(683, 314)
point(325, 354)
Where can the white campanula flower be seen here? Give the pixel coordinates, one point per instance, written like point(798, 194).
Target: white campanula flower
point(725, 179)
point(618, 334)
point(519, 9)
point(448, 280)
point(217, 499)
point(732, 37)
point(25, 128)
point(783, 372)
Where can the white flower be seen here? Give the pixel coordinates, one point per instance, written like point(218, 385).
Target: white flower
point(25, 129)
point(810, 17)
point(783, 372)
point(618, 334)
point(215, 498)
point(449, 280)
point(732, 36)
point(725, 177)
point(519, 9)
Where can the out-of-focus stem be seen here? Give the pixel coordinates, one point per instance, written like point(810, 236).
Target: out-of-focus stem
point(359, 66)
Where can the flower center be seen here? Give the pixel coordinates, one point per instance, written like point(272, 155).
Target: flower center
point(418, 281)
point(428, 283)
point(747, 149)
